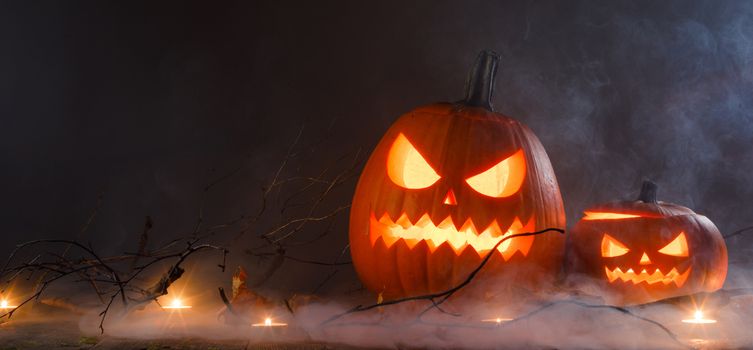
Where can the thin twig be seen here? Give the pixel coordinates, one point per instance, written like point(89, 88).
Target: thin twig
point(740, 231)
point(323, 282)
point(623, 310)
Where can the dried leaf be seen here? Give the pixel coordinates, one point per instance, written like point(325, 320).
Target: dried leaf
point(239, 281)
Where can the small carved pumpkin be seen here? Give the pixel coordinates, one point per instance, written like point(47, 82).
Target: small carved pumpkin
point(445, 184)
point(642, 251)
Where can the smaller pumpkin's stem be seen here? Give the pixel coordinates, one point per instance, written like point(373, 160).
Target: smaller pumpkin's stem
point(648, 192)
point(480, 84)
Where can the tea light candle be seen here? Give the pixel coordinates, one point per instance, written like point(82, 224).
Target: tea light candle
point(4, 305)
point(698, 318)
point(497, 320)
point(268, 323)
point(176, 304)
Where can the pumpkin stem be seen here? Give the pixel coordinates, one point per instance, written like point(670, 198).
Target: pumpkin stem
point(648, 192)
point(480, 84)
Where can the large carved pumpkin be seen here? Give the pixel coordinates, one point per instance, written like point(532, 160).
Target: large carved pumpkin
point(443, 186)
point(641, 251)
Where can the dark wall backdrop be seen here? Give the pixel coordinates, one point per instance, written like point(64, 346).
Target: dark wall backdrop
point(147, 101)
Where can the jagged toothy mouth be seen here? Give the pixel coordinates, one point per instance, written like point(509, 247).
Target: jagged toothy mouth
point(649, 278)
point(446, 232)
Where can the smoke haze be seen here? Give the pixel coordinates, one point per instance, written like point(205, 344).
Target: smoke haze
point(148, 102)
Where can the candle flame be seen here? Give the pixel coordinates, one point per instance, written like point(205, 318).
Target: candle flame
point(269, 323)
point(176, 303)
point(699, 319)
point(4, 304)
point(497, 320)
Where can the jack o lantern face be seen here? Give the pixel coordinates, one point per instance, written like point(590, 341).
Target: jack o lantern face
point(642, 251)
point(407, 168)
point(636, 266)
point(442, 188)
point(447, 195)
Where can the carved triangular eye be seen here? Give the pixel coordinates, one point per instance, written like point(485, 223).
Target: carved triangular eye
point(407, 168)
point(503, 179)
point(678, 246)
point(611, 247)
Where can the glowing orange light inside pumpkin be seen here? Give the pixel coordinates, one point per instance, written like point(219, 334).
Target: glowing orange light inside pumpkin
point(650, 278)
point(611, 247)
point(446, 232)
point(678, 246)
point(407, 168)
point(644, 259)
point(503, 179)
point(590, 215)
point(450, 198)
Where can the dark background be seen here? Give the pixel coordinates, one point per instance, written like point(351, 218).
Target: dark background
point(148, 101)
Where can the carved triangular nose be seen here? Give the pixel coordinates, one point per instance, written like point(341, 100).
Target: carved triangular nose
point(645, 260)
point(449, 199)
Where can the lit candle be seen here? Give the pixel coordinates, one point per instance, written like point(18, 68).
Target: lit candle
point(176, 304)
point(698, 318)
point(497, 320)
point(268, 323)
point(5, 306)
